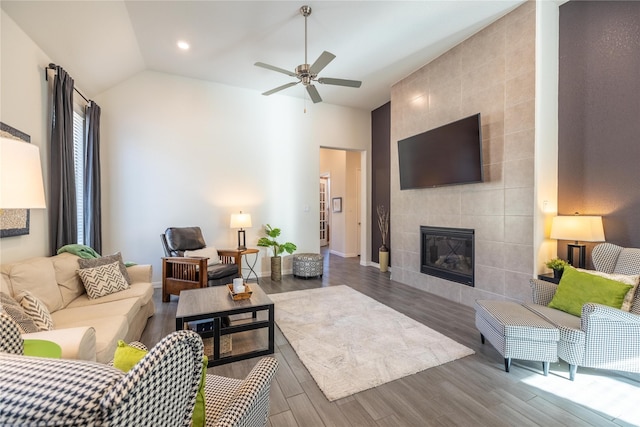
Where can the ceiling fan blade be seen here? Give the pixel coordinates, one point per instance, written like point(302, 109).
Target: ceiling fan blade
point(273, 68)
point(322, 61)
point(279, 88)
point(339, 82)
point(313, 93)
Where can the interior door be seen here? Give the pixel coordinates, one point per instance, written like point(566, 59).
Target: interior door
point(324, 213)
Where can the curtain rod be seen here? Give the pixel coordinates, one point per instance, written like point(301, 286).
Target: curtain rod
point(52, 66)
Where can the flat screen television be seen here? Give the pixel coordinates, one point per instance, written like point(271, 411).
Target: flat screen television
point(447, 155)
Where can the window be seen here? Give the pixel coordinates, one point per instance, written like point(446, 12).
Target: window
point(78, 163)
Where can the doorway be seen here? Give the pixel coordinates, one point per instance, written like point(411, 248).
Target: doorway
point(342, 210)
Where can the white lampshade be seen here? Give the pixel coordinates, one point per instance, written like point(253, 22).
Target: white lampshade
point(240, 220)
point(21, 185)
point(578, 227)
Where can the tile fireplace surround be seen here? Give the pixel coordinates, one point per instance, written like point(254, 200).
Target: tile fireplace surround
point(493, 73)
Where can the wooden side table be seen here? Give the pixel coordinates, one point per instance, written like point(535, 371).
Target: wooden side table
point(250, 266)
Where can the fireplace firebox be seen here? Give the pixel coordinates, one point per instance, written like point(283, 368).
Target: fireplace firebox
point(447, 253)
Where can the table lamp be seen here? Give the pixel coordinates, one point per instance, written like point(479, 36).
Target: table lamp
point(577, 228)
point(241, 221)
point(21, 185)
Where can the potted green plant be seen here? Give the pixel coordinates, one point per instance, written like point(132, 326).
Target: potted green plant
point(557, 265)
point(277, 248)
point(383, 225)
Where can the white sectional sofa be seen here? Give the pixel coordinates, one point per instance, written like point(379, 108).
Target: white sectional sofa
point(86, 329)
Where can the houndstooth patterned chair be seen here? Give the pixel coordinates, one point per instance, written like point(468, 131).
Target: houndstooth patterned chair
point(159, 391)
point(602, 337)
point(10, 337)
point(242, 403)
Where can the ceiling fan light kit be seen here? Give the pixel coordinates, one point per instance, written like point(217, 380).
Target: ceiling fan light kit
point(306, 74)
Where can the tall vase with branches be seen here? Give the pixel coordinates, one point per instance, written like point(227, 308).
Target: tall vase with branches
point(383, 225)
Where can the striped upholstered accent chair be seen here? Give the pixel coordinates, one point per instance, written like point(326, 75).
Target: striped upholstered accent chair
point(158, 391)
point(602, 337)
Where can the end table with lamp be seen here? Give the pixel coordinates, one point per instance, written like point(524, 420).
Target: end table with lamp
point(579, 228)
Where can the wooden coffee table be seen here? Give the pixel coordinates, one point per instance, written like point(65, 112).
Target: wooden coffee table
point(215, 303)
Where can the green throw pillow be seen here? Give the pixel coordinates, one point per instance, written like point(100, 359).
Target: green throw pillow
point(126, 358)
point(577, 288)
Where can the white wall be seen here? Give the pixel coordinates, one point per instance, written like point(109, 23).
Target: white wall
point(23, 105)
point(182, 152)
point(179, 152)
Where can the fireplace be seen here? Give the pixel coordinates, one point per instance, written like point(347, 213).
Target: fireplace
point(447, 253)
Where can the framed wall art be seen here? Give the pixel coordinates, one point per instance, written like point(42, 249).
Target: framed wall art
point(336, 202)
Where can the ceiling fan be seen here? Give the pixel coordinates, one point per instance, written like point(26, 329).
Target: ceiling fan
point(308, 74)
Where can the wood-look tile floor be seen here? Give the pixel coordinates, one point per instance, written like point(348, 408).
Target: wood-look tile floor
point(473, 391)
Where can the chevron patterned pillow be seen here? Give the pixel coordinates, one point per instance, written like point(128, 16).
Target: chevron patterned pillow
point(36, 310)
point(106, 259)
point(103, 280)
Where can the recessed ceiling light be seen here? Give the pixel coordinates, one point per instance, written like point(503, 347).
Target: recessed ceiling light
point(183, 45)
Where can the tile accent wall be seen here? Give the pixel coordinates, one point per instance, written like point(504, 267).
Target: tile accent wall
point(492, 72)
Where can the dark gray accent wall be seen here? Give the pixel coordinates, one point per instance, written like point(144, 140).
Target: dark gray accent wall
point(380, 175)
point(599, 116)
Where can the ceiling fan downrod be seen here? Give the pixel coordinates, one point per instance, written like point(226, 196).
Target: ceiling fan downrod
point(305, 11)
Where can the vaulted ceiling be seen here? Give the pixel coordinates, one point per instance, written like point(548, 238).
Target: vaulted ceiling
point(102, 43)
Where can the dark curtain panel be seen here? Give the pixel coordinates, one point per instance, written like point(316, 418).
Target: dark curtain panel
point(92, 207)
point(63, 227)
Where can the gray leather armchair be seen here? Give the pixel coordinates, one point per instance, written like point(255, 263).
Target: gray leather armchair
point(180, 272)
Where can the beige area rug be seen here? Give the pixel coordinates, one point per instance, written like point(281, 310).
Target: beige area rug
point(350, 342)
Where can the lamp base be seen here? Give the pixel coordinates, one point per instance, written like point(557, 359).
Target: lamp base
point(241, 240)
point(582, 254)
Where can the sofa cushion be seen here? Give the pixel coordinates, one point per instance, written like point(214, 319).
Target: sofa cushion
point(109, 329)
point(103, 280)
point(5, 284)
point(66, 269)
point(36, 310)
point(577, 288)
point(142, 291)
point(128, 308)
point(38, 276)
point(107, 259)
point(14, 310)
